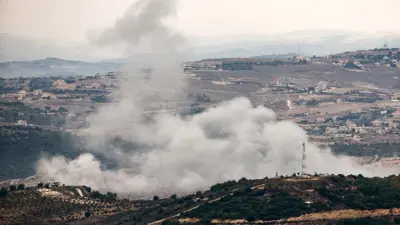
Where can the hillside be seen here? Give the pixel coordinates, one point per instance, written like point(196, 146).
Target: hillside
point(334, 199)
point(22, 147)
point(51, 202)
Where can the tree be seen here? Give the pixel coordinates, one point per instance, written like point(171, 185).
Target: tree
point(88, 189)
point(173, 196)
point(12, 188)
point(69, 81)
point(40, 185)
point(250, 218)
point(111, 196)
point(198, 194)
point(243, 179)
point(3, 191)
point(62, 109)
point(21, 186)
point(47, 185)
point(156, 198)
point(96, 194)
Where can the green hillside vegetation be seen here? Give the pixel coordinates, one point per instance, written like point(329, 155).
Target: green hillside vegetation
point(14, 111)
point(381, 149)
point(41, 204)
point(281, 198)
point(21, 148)
point(267, 199)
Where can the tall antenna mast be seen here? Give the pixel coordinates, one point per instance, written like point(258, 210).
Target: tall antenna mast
point(303, 160)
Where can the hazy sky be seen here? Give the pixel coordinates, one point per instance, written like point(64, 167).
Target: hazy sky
point(70, 19)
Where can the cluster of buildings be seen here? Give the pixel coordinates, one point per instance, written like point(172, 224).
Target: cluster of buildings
point(352, 114)
point(24, 95)
point(28, 89)
point(50, 100)
point(363, 126)
point(377, 57)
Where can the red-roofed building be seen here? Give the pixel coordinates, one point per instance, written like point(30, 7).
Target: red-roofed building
point(396, 113)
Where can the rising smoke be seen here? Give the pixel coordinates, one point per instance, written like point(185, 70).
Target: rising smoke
point(176, 154)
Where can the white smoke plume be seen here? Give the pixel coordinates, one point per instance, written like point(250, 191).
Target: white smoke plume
point(176, 154)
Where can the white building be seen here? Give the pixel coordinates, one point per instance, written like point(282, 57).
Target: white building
point(38, 92)
point(21, 94)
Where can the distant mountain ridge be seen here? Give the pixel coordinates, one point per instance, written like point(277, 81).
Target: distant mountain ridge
point(308, 42)
point(88, 60)
point(274, 56)
point(17, 48)
point(54, 67)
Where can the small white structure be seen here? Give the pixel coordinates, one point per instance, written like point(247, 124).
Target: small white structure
point(21, 94)
point(321, 86)
point(48, 96)
point(22, 123)
point(59, 83)
point(37, 92)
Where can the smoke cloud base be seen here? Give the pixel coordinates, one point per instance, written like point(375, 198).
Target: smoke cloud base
point(230, 141)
